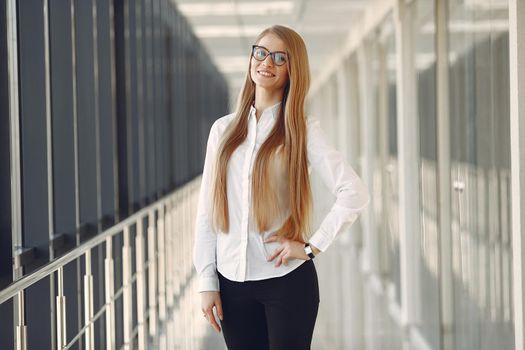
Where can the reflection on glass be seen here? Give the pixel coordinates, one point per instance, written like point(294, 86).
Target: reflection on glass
point(423, 14)
point(480, 151)
point(390, 166)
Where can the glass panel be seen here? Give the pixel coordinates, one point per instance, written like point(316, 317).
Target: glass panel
point(390, 180)
point(381, 69)
point(425, 69)
point(480, 154)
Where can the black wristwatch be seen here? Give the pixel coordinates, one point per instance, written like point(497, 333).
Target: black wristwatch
point(308, 250)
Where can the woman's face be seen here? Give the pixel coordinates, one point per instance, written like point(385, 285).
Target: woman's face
point(266, 74)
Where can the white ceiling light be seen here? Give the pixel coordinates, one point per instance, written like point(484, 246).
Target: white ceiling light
point(233, 31)
point(228, 31)
point(241, 8)
point(470, 26)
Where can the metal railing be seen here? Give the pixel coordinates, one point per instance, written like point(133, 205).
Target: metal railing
point(163, 273)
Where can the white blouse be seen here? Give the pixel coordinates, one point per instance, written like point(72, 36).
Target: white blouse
point(240, 255)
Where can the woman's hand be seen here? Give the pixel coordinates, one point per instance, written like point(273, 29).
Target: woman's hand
point(208, 301)
point(287, 250)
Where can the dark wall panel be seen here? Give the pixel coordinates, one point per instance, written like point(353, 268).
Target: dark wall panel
point(62, 107)
point(33, 132)
point(106, 111)
point(85, 93)
point(150, 105)
point(131, 98)
point(156, 98)
point(121, 110)
point(33, 127)
point(61, 61)
point(87, 137)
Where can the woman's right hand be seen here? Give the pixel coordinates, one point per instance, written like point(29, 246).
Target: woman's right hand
point(208, 301)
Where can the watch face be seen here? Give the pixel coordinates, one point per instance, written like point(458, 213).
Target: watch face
point(308, 250)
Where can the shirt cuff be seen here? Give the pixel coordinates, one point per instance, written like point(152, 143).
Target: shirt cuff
point(209, 284)
point(320, 241)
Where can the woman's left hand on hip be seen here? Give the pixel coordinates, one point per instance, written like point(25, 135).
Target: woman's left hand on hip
point(288, 250)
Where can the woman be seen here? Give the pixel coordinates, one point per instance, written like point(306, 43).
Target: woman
point(254, 209)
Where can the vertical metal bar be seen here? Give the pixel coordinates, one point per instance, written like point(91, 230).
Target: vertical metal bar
point(517, 138)
point(88, 304)
point(16, 203)
point(444, 173)
point(21, 328)
point(141, 285)
point(14, 124)
point(97, 146)
point(49, 146)
point(367, 146)
point(49, 140)
point(152, 275)
point(61, 310)
point(97, 108)
point(109, 284)
point(114, 149)
point(128, 109)
point(127, 289)
point(76, 157)
point(140, 99)
point(408, 147)
point(162, 265)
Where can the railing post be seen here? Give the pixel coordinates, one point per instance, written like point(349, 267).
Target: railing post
point(15, 167)
point(168, 256)
point(109, 293)
point(152, 275)
point(177, 248)
point(21, 328)
point(141, 285)
point(61, 310)
point(88, 304)
point(168, 240)
point(162, 264)
point(127, 289)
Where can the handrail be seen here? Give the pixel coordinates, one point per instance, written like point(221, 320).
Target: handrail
point(155, 281)
point(46, 270)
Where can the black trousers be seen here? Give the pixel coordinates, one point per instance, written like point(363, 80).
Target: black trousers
point(272, 314)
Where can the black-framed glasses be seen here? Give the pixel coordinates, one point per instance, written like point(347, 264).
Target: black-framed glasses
point(260, 53)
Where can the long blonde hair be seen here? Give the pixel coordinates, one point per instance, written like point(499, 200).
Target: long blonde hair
point(286, 144)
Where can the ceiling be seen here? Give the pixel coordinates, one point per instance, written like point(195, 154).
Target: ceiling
point(228, 28)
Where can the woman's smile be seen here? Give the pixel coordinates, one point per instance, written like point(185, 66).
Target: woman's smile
point(265, 73)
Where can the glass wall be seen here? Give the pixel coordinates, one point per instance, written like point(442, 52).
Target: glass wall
point(480, 172)
point(480, 182)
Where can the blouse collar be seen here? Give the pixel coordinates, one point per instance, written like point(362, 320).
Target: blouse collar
point(272, 110)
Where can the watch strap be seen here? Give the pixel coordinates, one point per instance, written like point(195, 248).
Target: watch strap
point(308, 250)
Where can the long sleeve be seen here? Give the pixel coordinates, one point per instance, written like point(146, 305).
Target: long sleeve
point(351, 193)
point(204, 249)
